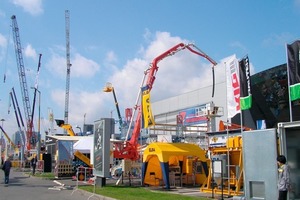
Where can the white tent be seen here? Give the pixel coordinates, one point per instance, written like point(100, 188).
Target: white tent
point(85, 145)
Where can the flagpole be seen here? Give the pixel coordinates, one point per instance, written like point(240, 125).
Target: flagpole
point(227, 132)
point(241, 113)
point(288, 77)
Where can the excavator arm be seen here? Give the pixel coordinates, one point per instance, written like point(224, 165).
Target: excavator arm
point(8, 138)
point(68, 127)
point(129, 149)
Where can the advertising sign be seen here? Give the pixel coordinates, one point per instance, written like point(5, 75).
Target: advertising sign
point(103, 129)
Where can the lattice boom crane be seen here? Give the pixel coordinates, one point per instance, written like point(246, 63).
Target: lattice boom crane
point(23, 83)
point(67, 18)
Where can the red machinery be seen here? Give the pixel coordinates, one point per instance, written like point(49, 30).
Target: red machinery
point(129, 149)
point(231, 126)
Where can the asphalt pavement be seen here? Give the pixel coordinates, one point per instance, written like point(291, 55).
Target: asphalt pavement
point(25, 187)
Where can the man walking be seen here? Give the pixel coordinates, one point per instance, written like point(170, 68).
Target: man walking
point(33, 164)
point(6, 168)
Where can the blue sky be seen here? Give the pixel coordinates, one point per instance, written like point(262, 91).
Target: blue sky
point(114, 41)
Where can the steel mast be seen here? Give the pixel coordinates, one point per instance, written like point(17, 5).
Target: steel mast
point(67, 19)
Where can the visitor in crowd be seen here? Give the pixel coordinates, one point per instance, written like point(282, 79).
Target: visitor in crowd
point(33, 163)
point(6, 168)
point(283, 178)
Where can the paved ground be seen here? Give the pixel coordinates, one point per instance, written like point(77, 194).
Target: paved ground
point(24, 187)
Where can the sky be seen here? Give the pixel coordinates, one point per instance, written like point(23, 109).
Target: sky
point(115, 41)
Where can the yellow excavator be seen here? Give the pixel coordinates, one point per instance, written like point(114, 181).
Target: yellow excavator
point(16, 148)
point(68, 127)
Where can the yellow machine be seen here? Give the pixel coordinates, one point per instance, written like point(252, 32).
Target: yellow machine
point(187, 164)
point(10, 141)
point(68, 127)
point(226, 169)
point(83, 158)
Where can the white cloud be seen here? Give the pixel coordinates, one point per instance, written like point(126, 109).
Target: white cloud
point(182, 72)
point(59, 97)
point(3, 45)
point(3, 41)
point(111, 57)
point(30, 52)
point(34, 7)
point(127, 81)
point(80, 103)
point(56, 64)
point(147, 35)
point(81, 66)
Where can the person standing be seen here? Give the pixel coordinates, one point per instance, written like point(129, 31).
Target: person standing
point(283, 178)
point(6, 168)
point(33, 163)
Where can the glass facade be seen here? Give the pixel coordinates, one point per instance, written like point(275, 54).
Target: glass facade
point(270, 99)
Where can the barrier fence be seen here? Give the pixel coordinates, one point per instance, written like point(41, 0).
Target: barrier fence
point(40, 166)
point(26, 164)
point(85, 175)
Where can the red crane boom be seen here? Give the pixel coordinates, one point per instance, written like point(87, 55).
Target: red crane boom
point(129, 149)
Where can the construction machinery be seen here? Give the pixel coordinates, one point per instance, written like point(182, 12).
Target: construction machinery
point(231, 126)
point(67, 127)
point(110, 88)
point(8, 138)
point(20, 121)
point(129, 149)
point(37, 138)
point(13, 145)
point(23, 84)
point(67, 18)
point(226, 164)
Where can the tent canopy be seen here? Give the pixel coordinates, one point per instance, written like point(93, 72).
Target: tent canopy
point(84, 144)
point(165, 150)
point(158, 156)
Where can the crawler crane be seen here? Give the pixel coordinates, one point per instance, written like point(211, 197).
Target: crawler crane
point(23, 83)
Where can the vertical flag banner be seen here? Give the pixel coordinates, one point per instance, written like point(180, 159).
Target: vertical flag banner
point(294, 70)
point(245, 96)
point(233, 87)
point(147, 117)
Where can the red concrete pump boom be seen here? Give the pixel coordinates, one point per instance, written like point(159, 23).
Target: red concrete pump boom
point(129, 149)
